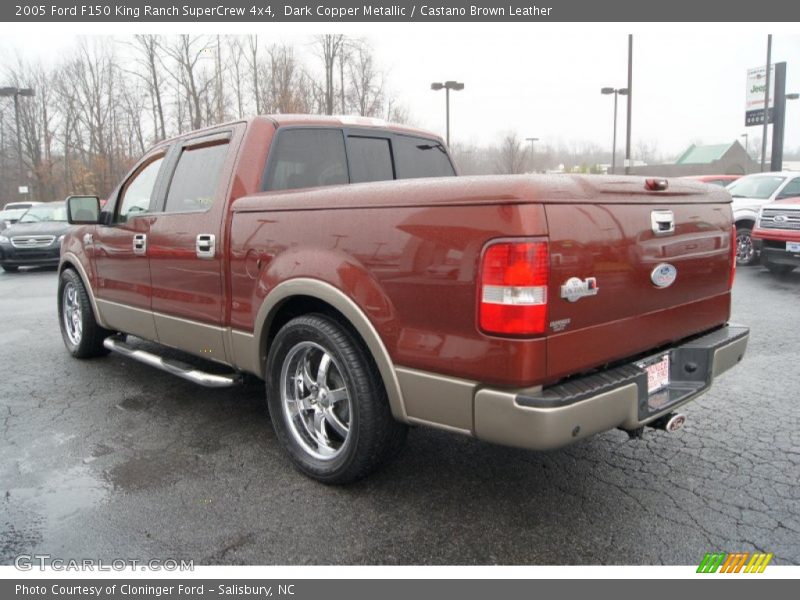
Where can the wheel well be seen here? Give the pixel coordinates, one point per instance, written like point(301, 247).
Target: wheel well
point(296, 306)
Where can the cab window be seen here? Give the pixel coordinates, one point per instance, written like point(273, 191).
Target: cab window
point(196, 178)
point(138, 191)
point(421, 157)
point(370, 159)
point(306, 158)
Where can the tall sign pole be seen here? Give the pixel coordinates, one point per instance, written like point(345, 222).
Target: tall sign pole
point(778, 117)
point(766, 104)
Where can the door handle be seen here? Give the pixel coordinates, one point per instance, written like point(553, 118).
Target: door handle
point(206, 245)
point(140, 244)
point(662, 222)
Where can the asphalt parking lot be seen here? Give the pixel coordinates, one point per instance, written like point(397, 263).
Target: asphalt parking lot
point(112, 459)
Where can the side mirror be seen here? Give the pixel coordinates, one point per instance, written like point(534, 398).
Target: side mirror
point(83, 210)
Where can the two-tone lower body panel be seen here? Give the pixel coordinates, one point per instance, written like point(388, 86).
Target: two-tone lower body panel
point(545, 418)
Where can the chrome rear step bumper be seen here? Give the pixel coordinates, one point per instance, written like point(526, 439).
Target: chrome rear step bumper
point(174, 367)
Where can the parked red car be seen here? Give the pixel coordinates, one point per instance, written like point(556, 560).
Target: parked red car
point(344, 262)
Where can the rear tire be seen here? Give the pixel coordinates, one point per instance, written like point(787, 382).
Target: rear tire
point(327, 402)
point(746, 255)
point(10, 269)
point(81, 333)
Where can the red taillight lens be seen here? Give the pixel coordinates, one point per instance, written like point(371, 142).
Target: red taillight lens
point(513, 288)
point(734, 247)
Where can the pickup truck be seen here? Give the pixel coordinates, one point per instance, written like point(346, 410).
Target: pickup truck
point(344, 262)
point(750, 193)
point(777, 235)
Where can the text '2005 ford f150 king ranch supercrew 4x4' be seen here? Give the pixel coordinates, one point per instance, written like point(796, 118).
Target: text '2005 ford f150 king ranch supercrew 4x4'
point(342, 260)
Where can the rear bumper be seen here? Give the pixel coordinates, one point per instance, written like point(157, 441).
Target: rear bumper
point(546, 418)
point(618, 397)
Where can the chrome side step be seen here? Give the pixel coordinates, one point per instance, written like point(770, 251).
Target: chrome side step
point(174, 367)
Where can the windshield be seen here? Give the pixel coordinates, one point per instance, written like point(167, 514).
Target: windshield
point(44, 213)
point(762, 186)
point(12, 215)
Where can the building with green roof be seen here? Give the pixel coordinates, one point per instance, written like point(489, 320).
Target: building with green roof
point(711, 159)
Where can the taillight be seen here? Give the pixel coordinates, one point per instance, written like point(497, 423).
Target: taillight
point(513, 288)
point(734, 247)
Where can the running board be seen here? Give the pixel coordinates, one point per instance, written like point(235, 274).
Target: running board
point(174, 367)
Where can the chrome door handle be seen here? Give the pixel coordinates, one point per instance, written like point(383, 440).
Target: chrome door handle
point(206, 245)
point(140, 244)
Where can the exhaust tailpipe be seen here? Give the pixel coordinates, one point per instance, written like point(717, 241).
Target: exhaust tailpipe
point(669, 423)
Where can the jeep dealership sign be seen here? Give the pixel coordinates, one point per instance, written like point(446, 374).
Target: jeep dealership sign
point(754, 99)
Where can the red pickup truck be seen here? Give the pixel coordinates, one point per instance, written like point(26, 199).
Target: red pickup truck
point(777, 235)
point(343, 262)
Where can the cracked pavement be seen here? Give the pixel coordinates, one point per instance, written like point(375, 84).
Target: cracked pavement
point(109, 458)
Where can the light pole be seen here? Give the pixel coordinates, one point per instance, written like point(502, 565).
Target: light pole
point(447, 86)
point(532, 140)
point(617, 92)
point(629, 91)
point(17, 92)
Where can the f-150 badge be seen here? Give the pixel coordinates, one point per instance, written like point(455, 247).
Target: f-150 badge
point(576, 288)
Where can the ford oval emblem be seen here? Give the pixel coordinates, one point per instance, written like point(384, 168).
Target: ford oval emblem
point(663, 275)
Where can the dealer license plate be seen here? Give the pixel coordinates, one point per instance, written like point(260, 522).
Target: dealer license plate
point(793, 246)
point(657, 373)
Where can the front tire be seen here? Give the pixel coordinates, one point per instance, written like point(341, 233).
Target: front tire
point(746, 255)
point(328, 404)
point(82, 335)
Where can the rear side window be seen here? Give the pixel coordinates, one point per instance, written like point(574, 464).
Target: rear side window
point(196, 179)
point(420, 157)
point(370, 159)
point(305, 158)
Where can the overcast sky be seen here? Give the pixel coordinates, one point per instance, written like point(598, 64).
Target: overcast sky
point(689, 81)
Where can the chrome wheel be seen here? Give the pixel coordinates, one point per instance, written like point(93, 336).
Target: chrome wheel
point(316, 404)
point(745, 252)
point(71, 313)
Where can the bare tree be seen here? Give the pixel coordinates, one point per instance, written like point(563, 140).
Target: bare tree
point(366, 82)
point(329, 47)
point(253, 66)
point(237, 60)
point(186, 52)
point(99, 107)
point(511, 156)
point(647, 151)
point(289, 86)
point(36, 127)
point(148, 50)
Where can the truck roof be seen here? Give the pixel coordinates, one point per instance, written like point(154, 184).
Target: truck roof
point(345, 121)
point(286, 120)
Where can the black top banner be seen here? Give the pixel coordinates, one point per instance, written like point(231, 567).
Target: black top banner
point(343, 11)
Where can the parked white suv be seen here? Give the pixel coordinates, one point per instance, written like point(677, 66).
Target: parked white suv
point(749, 193)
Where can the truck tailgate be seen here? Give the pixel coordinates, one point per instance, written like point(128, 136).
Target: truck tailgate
point(613, 241)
